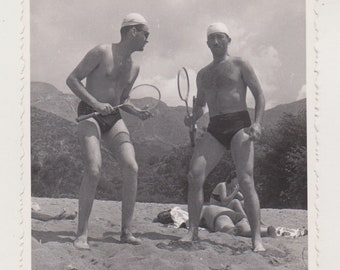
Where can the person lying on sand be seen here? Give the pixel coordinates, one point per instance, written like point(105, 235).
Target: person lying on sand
point(45, 217)
point(228, 194)
point(222, 219)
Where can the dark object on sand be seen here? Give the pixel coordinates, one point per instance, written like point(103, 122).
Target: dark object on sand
point(164, 217)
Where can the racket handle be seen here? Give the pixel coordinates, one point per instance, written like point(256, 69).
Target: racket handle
point(193, 101)
point(193, 127)
point(192, 133)
point(86, 116)
point(192, 138)
point(192, 141)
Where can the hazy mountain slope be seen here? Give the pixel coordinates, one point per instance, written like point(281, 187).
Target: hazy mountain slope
point(161, 144)
point(166, 129)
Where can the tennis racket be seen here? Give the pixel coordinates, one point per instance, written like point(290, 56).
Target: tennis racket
point(183, 86)
point(143, 96)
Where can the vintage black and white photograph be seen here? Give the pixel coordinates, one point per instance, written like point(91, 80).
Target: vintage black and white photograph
point(168, 134)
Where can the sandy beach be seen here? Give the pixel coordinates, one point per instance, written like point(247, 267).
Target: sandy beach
point(52, 242)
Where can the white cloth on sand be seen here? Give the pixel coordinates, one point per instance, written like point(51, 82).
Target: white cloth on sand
point(179, 216)
point(291, 233)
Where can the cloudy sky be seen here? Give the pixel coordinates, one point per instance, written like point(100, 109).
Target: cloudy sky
point(269, 34)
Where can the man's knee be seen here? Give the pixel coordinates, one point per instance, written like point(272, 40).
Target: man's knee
point(130, 165)
point(245, 175)
point(94, 171)
point(246, 181)
point(197, 169)
point(195, 181)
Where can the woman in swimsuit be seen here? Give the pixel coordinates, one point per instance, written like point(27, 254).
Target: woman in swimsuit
point(228, 194)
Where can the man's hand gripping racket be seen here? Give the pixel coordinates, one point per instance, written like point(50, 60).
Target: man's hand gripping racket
point(183, 85)
point(144, 97)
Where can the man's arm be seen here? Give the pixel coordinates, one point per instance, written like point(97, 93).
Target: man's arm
point(84, 68)
point(129, 107)
point(197, 110)
point(200, 100)
point(134, 74)
point(252, 82)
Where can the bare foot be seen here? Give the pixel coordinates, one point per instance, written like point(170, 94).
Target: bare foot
point(191, 236)
point(128, 238)
point(81, 243)
point(258, 246)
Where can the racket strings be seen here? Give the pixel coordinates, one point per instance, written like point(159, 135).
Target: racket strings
point(145, 97)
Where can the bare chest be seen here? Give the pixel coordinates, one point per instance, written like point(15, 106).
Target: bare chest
point(109, 80)
point(222, 76)
point(116, 71)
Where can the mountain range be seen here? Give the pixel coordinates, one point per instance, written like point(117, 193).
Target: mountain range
point(166, 128)
point(161, 145)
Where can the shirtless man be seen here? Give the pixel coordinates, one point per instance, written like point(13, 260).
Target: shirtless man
point(110, 75)
point(223, 85)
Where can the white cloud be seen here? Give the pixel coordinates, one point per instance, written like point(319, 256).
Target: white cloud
point(266, 63)
point(169, 90)
point(178, 38)
point(302, 93)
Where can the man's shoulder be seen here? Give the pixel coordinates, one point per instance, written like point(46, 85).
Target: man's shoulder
point(101, 48)
point(240, 61)
point(204, 70)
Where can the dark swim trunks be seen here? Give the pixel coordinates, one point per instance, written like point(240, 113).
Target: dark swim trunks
point(224, 127)
point(105, 122)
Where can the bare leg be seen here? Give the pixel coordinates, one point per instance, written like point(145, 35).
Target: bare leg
point(46, 217)
point(118, 141)
point(89, 138)
point(225, 224)
point(237, 206)
point(207, 153)
point(243, 155)
point(245, 231)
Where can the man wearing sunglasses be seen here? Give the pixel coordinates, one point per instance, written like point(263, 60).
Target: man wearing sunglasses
point(110, 75)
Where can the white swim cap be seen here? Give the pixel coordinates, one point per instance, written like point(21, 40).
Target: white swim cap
point(217, 28)
point(133, 19)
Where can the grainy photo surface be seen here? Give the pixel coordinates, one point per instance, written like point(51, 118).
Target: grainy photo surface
point(204, 163)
